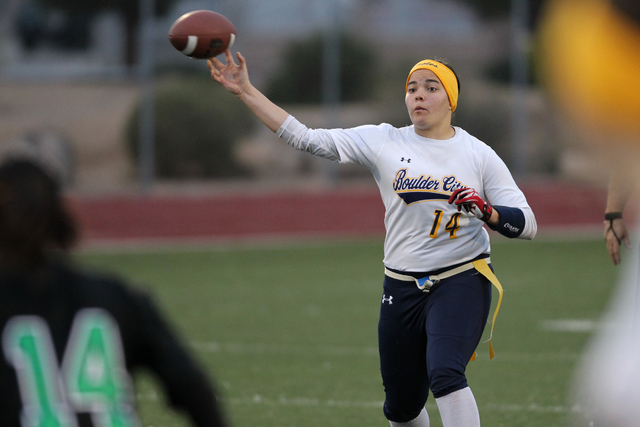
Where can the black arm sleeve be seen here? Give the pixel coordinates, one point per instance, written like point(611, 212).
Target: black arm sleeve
point(511, 223)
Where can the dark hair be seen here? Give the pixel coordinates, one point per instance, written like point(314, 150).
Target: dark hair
point(630, 8)
point(33, 217)
point(445, 62)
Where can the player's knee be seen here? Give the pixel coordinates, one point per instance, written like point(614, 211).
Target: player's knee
point(445, 380)
point(401, 413)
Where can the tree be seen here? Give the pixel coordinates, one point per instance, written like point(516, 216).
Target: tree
point(196, 134)
point(130, 10)
point(299, 80)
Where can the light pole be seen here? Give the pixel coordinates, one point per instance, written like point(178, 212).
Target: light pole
point(519, 82)
point(331, 77)
point(146, 76)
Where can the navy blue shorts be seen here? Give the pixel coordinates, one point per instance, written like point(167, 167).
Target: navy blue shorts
point(427, 339)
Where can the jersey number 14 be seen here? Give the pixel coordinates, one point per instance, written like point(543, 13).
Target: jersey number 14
point(92, 378)
point(452, 225)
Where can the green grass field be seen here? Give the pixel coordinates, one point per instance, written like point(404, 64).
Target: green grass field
point(288, 332)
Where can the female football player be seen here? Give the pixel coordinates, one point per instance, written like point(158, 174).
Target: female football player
point(440, 186)
point(72, 339)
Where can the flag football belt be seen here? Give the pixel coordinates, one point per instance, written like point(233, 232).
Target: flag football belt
point(481, 265)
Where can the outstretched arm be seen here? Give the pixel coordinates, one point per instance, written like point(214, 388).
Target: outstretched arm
point(235, 78)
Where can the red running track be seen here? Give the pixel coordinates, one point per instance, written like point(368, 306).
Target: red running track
point(356, 212)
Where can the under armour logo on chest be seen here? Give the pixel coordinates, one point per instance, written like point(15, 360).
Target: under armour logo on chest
point(387, 299)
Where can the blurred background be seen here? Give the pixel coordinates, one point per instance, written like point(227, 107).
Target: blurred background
point(153, 153)
point(97, 89)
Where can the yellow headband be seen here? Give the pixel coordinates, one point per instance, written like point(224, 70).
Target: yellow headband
point(446, 76)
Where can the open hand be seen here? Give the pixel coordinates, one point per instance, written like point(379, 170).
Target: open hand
point(233, 77)
point(615, 235)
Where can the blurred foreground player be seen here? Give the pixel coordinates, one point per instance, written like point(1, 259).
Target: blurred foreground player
point(440, 187)
point(591, 64)
point(71, 340)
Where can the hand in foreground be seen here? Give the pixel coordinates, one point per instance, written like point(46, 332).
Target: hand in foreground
point(233, 77)
point(615, 233)
point(470, 200)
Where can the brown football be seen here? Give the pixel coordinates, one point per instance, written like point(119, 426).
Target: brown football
point(202, 34)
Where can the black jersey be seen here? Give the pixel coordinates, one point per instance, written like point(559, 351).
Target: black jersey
point(69, 343)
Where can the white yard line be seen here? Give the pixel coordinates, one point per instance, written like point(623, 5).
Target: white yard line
point(300, 401)
point(570, 325)
point(431, 406)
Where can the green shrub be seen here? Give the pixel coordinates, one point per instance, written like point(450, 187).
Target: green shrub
point(197, 123)
point(299, 79)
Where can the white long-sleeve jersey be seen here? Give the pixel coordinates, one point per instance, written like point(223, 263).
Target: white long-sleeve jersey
point(416, 176)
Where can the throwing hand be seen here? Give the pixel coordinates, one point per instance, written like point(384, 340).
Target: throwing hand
point(233, 77)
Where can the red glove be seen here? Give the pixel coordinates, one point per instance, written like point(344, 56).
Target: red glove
point(470, 200)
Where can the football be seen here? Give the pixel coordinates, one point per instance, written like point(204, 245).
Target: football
point(202, 34)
